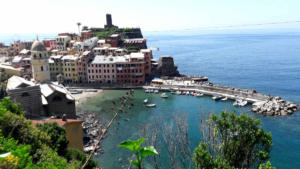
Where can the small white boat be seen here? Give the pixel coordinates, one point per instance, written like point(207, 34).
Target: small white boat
point(150, 105)
point(147, 91)
point(224, 99)
point(178, 92)
point(199, 94)
point(145, 101)
point(151, 91)
point(156, 91)
point(240, 102)
point(187, 93)
point(217, 97)
point(164, 95)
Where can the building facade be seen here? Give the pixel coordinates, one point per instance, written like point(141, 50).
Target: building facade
point(40, 63)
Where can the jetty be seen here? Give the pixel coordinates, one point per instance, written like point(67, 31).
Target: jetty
point(261, 103)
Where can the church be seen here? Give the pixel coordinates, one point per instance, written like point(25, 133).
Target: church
point(39, 97)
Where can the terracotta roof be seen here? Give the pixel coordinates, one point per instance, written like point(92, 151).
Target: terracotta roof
point(60, 122)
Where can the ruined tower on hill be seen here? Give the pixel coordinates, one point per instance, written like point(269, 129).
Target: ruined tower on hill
point(109, 22)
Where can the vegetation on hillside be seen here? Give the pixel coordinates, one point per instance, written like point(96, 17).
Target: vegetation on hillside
point(232, 141)
point(34, 147)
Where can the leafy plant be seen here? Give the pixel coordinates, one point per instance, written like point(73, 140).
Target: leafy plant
point(140, 152)
point(238, 140)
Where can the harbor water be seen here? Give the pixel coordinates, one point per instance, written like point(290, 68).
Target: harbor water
point(265, 61)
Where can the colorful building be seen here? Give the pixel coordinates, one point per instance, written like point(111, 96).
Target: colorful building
point(55, 64)
point(73, 128)
point(70, 68)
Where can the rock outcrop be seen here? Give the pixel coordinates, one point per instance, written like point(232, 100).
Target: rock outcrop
point(275, 106)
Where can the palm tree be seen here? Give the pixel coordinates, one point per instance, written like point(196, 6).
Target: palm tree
point(78, 24)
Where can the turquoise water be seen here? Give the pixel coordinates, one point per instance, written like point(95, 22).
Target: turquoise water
point(267, 62)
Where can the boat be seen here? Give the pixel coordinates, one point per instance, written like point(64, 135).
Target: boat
point(147, 91)
point(172, 92)
point(151, 91)
point(187, 93)
point(224, 99)
point(199, 94)
point(240, 102)
point(145, 101)
point(150, 105)
point(217, 97)
point(164, 95)
point(156, 91)
point(178, 92)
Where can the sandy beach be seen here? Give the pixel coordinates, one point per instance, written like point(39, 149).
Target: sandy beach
point(86, 94)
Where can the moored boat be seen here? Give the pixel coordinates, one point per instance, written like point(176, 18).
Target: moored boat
point(145, 101)
point(164, 95)
point(156, 91)
point(224, 99)
point(150, 105)
point(217, 97)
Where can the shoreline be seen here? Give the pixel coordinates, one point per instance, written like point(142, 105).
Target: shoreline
point(85, 94)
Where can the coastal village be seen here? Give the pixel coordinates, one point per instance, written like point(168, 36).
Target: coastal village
point(46, 77)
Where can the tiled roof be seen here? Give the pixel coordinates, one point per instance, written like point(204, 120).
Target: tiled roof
point(60, 122)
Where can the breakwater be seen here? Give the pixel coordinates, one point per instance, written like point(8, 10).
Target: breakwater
point(262, 104)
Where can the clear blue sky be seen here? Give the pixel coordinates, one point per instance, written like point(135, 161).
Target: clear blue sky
point(48, 16)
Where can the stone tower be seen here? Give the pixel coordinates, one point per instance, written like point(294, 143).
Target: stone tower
point(40, 62)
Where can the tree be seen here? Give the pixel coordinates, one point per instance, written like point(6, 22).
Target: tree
point(74, 154)
point(57, 135)
point(232, 140)
point(140, 152)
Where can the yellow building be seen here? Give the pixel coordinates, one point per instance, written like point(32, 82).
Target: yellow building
point(70, 68)
point(55, 64)
point(73, 127)
point(7, 71)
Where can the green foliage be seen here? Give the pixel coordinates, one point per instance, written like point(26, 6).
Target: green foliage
point(239, 141)
point(84, 28)
point(58, 136)
point(20, 151)
point(133, 48)
point(48, 158)
point(266, 166)
point(140, 152)
point(31, 147)
point(76, 155)
point(105, 33)
point(7, 105)
point(204, 160)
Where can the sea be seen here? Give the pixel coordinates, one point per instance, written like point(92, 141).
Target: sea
point(265, 60)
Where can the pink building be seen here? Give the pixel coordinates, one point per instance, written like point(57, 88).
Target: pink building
point(102, 70)
point(50, 44)
point(83, 61)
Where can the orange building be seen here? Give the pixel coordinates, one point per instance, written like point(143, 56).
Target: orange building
point(73, 127)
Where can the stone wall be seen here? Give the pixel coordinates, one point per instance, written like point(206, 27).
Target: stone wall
point(30, 100)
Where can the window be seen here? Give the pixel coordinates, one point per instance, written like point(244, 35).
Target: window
point(56, 99)
point(40, 55)
point(25, 94)
point(42, 68)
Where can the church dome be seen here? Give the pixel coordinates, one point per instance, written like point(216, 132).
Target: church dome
point(38, 46)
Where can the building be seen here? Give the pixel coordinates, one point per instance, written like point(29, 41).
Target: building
point(86, 34)
point(40, 62)
point(57, 101)
point(113, 40)
point(82, 65)
point(7, 71)
point(55, 64)
point(70, 68)
point(63, 42)
point(102, 70)
point(47, 99)
point(73, 128)
point(109, 23)
point(50, 44)
point(27, 94)
point(126, 69)
point(135, 44)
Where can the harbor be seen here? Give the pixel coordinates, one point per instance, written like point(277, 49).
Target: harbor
point(261, 103)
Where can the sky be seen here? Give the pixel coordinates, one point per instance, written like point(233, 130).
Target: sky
point(52, 16)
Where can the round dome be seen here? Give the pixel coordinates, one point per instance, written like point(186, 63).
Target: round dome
point(38, 46)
